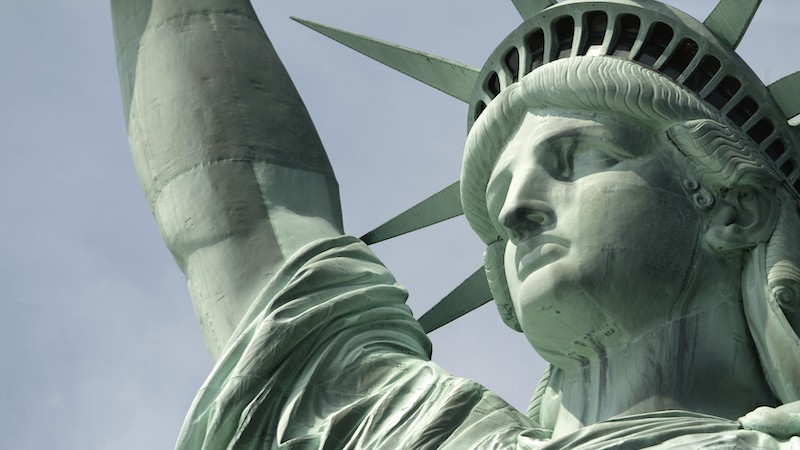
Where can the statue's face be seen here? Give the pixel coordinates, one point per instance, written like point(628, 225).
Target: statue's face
point(600, 234)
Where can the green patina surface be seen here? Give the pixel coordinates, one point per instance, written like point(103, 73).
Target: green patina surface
point(635, 184)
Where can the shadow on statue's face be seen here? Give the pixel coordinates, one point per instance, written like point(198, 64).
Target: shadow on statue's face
point(601, 237)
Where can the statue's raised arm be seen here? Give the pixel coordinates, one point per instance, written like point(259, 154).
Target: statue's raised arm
point(230, 162)
point(310, 331)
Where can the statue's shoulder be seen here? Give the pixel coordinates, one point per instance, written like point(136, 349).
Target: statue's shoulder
point(666, 430)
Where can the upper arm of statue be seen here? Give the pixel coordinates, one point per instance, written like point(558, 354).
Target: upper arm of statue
point(229, 160)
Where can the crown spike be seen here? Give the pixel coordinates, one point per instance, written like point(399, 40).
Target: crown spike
point(786, 93)
point(530, 8)
point(439, 207)
point(730, 20)
point(469, 295)
point(451, 77)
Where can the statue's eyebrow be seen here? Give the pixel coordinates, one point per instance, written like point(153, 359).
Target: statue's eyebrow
point(612, 142)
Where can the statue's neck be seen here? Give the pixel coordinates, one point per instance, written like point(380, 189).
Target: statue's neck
point(705, 362)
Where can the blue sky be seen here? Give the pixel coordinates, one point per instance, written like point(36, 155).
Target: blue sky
point(98, 338)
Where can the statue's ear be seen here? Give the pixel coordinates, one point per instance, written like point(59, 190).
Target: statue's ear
point(741, 218)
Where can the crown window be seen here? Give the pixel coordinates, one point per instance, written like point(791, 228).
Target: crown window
point(656, 43)
point(761, 131)
point(680, 59)
point(493, 84)
point(703, 74)
point(627, 30)
point(743, 111)
point(788, 167)
point(776, 149)
point(534, 43)
point(595, 26)
point(724, 92)
point(565, 30)
point(511, 61)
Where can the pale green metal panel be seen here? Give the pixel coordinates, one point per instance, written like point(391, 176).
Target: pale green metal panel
point(786, 93)
point(451, 77)
point(440, 206)
point(469, 295)
point(529, 8)
point(129, 19)
point(730, 19)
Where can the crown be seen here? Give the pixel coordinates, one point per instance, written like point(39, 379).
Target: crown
point(698, 56)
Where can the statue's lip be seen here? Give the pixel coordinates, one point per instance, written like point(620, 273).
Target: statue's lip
point(538, 251)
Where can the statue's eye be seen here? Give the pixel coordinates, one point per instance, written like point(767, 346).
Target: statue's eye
point(574, 161)
point(589, 160)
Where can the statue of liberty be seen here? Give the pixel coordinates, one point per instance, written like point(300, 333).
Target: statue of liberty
point(635, 183)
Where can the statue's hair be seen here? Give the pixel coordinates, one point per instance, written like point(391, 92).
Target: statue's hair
point(720, 157)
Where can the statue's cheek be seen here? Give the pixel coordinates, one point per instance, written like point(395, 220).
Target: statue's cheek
point(633, 244)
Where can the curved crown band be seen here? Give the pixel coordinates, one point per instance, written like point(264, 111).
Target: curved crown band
point(661, 38)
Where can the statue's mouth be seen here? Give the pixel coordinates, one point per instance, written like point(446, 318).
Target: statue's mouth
point(539, 251)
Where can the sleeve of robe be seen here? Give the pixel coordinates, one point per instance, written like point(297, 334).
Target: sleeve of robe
point(330, 357)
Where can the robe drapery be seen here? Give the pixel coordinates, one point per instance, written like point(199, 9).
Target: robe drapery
point(330, 357)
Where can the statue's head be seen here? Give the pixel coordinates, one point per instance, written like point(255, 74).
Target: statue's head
point(621, 151)
point(631, 158)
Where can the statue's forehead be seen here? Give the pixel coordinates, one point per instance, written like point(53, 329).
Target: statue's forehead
point(540, 127)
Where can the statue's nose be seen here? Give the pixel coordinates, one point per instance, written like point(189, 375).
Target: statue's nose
point(527, 210)
point(524, 217)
